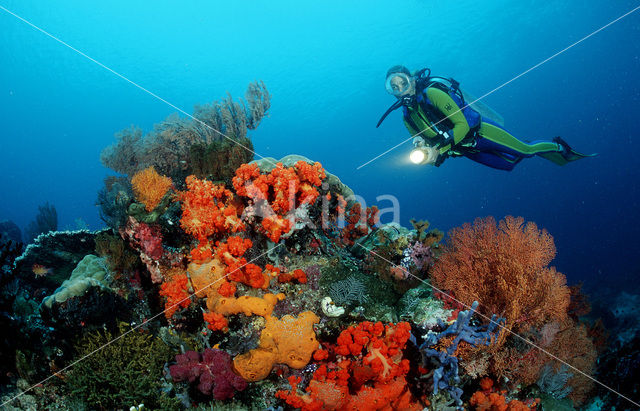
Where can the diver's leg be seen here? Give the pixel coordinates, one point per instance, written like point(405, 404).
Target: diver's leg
point(496, 160)
point(497, 138)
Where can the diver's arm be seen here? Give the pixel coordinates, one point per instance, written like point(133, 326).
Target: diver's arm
point(443, 102)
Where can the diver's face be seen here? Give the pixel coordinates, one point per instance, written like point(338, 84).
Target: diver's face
point(400, 85)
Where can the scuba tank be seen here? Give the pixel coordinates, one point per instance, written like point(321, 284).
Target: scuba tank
point(424, 79)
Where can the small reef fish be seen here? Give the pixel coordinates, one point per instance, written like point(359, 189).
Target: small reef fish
point(40, 270)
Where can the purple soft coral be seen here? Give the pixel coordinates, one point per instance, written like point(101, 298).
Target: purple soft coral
point(421, 255)
point(213, 368)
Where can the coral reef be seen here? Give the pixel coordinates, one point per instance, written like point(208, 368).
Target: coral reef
point(226, 283)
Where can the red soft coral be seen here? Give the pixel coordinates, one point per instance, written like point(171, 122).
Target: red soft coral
point(207, 210)
point(276, 226)
point(283, 189)
point(215, 321)
point(237, 268)
point(176, 294)
point(364, 370)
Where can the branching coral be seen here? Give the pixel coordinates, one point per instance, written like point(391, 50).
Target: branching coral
point(120, 369)
point(447, 358)
point(219, 160)
point(125, 156)
point(168, 146)
point(46, 220)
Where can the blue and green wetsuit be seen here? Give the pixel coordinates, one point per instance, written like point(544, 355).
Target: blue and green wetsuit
point(473, 136)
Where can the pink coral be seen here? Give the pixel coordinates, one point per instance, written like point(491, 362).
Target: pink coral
point(148, 241)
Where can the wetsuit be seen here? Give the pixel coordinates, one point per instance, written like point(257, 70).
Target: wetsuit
point(482, 141)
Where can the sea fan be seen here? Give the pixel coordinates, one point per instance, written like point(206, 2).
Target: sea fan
point(348, 291)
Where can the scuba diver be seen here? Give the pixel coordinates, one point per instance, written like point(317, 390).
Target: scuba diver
point(446, 122)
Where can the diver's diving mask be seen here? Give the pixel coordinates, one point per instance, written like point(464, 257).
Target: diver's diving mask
point(398, 84)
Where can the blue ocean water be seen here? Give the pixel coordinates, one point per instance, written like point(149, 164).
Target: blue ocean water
point(324, 65)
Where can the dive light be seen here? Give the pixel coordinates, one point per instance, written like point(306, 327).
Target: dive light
point(422, 154)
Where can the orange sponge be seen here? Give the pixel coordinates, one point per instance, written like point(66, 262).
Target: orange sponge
point(245, 304)
point(288, 340)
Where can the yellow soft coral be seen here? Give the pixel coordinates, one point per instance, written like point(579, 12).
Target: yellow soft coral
point(288, 340)
point(149, 187)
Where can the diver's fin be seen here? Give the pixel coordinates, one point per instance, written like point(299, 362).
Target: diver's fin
point(568, 153)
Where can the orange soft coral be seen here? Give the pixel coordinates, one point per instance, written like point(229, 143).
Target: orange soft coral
point(149, 187)
point(505, 267)
point(208, 210)
point(297, 275)
point(487, 400)
point(176, 294)
point(215, 321)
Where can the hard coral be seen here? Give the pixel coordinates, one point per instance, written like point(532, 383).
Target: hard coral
point(149, 187)
point(213, 371)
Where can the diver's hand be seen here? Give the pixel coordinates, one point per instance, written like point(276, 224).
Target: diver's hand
point(432, 154)
point(440, 159)
point(418, 142)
